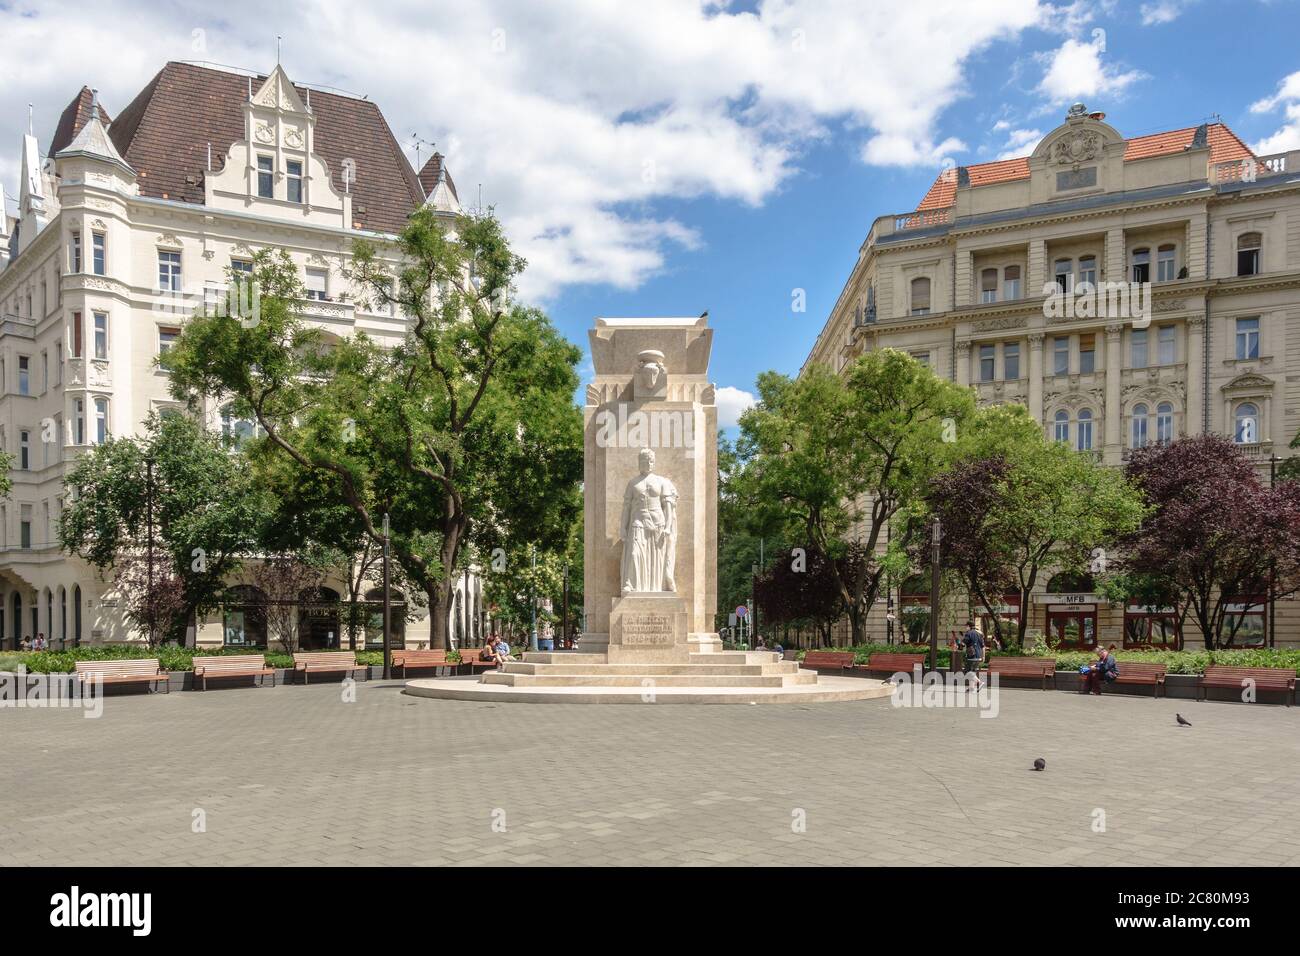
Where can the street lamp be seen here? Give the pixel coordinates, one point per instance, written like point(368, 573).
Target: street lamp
point(388, 649)
point(532, 585)
point(936, 533)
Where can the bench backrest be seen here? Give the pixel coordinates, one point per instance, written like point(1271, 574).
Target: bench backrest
point(1131, 669)
point(340, 658)
point(1023, 665)
point(1260, 675)
point(837, 658)
point(896, 662)
point(420, 657)
point(131, 668)
point(211, 663)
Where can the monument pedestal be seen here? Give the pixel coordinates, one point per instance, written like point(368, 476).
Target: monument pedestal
point(648, 628)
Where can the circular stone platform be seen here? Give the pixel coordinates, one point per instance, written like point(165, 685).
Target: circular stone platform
point(824, 690)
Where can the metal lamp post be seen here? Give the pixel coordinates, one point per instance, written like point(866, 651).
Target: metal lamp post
point(935, 534)
point(388, 649)
point(532, 586)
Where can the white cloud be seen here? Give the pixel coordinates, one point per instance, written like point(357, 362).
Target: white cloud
point(1287, 136)
point(1075, 70)
point(731, 402)
point(1161, 12)
point(578, 118)
point(1020, 142)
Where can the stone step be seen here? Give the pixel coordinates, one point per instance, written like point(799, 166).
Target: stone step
point(735, 657)
point(562, 657)
point(640, 680)
point(739, 670)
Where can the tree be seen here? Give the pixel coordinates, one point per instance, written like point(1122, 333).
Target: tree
point(828, 460)
point(1216, 534)
point(183, 484)
point(467, 426)
point(800, 589)
point(283, 578)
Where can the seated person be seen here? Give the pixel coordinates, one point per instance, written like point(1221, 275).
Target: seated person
point(488, 654)
point(1105, 670)
point(503, 651)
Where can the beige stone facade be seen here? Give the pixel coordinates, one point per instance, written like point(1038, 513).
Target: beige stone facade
point(988, 282)
point(119, 234)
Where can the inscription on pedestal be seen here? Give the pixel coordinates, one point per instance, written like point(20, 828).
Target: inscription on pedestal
point(647, 628)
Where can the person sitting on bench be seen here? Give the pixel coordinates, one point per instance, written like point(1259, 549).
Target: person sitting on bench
point(1105, 670)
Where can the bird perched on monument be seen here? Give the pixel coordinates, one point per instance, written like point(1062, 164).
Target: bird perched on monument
point(1040, 764)
point(1183, 721)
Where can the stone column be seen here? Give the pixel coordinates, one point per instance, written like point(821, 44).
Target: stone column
point(1036, 376)
point(1115, 256)
point(1114, 413)
point(1192, 417)
point(965, 279)
point(963, 363)
point(1036, 273)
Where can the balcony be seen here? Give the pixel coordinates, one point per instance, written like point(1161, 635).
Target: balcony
point(19, 325)
point(1249, 169)
point(908, 222)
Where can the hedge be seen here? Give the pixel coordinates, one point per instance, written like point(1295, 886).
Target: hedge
point(1178, 662)
point(170, 657)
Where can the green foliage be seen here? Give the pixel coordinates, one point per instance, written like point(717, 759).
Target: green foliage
point(172, 657)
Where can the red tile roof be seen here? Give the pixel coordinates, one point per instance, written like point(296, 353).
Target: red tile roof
point(75, 115)
point(165, 131)
point(429, 175)
point(1224, 147)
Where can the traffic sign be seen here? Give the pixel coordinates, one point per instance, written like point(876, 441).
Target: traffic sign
point(742, 611)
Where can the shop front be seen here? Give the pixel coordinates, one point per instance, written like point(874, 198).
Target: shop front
point(1149, 627)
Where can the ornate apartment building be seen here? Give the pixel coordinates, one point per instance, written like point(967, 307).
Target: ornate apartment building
point(123, 226)
point(987, 281)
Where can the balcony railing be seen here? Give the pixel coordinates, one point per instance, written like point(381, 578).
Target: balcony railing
point(922, 219)
point(1249, 169)
point(21, 325)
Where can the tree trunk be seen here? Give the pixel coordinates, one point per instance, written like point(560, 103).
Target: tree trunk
point(436, 593)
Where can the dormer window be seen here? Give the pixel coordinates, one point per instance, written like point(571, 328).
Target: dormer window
point(266, 177)
point(293, 180)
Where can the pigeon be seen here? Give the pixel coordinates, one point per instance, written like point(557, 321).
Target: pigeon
point(1040, 764)
point(1183, 721)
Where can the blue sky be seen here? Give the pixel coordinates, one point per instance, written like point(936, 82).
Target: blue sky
point(665, 158)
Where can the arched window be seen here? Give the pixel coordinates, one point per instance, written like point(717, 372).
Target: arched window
point(1164, 423)
point(49, 615)
point(921, 296)
point(1246, 424)
point(1064, 274)
point(1249, 245)
point(1139, 426)
point(1142, 265)
point(1166, 263)
point(989, 285)
point(63, 616)
point(236, 430)
point(1061, 426)
point(1084, 431)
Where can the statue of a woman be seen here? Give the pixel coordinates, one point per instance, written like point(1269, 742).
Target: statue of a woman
point(649, 529)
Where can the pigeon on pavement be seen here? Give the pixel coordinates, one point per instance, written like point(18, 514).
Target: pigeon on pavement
point(1183, 721)
point(1040, 764)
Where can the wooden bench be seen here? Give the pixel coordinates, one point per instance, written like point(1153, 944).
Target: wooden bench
point(1041, 667)
point(145, 671)
point(894, 663)
point(469, 658)
point(435, 659)
point(1153, 674)
point(325, 662)
point(840, 659)
point(1265, 678)
point(232, 665)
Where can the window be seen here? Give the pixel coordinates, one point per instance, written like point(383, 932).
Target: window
point(24, 375)
point(1011, 282)
point(101, 335)
point(1085, 430)
point(1142, 265)
point(166, 339)
point(1166, 350)
point(1139, 426)
point(78, 421)
point(1061, 426)
point(240, 268)
point(1248, 338)
point(24, 449)
point(1164, 423)
point(989, 285)
point(1064, 274)
point(1248, 246)
point(76, 335)
point(1246, 424)
point(1088, 352)
point(921, 296)
point(316, 279)
point(922, 357)
point(101, 420)
point(74, 255)
point(293, 181)
point(236, 430)
point(169, 271)
point(25, 526)
point(265, 177)
point(1011, 361)
point(1088, 270)
point(987, 362)
point(1138, 348)
point(1061, 355)
point(58, 363)
point(97, 257)
point(1166, 263)
point(45, 370)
